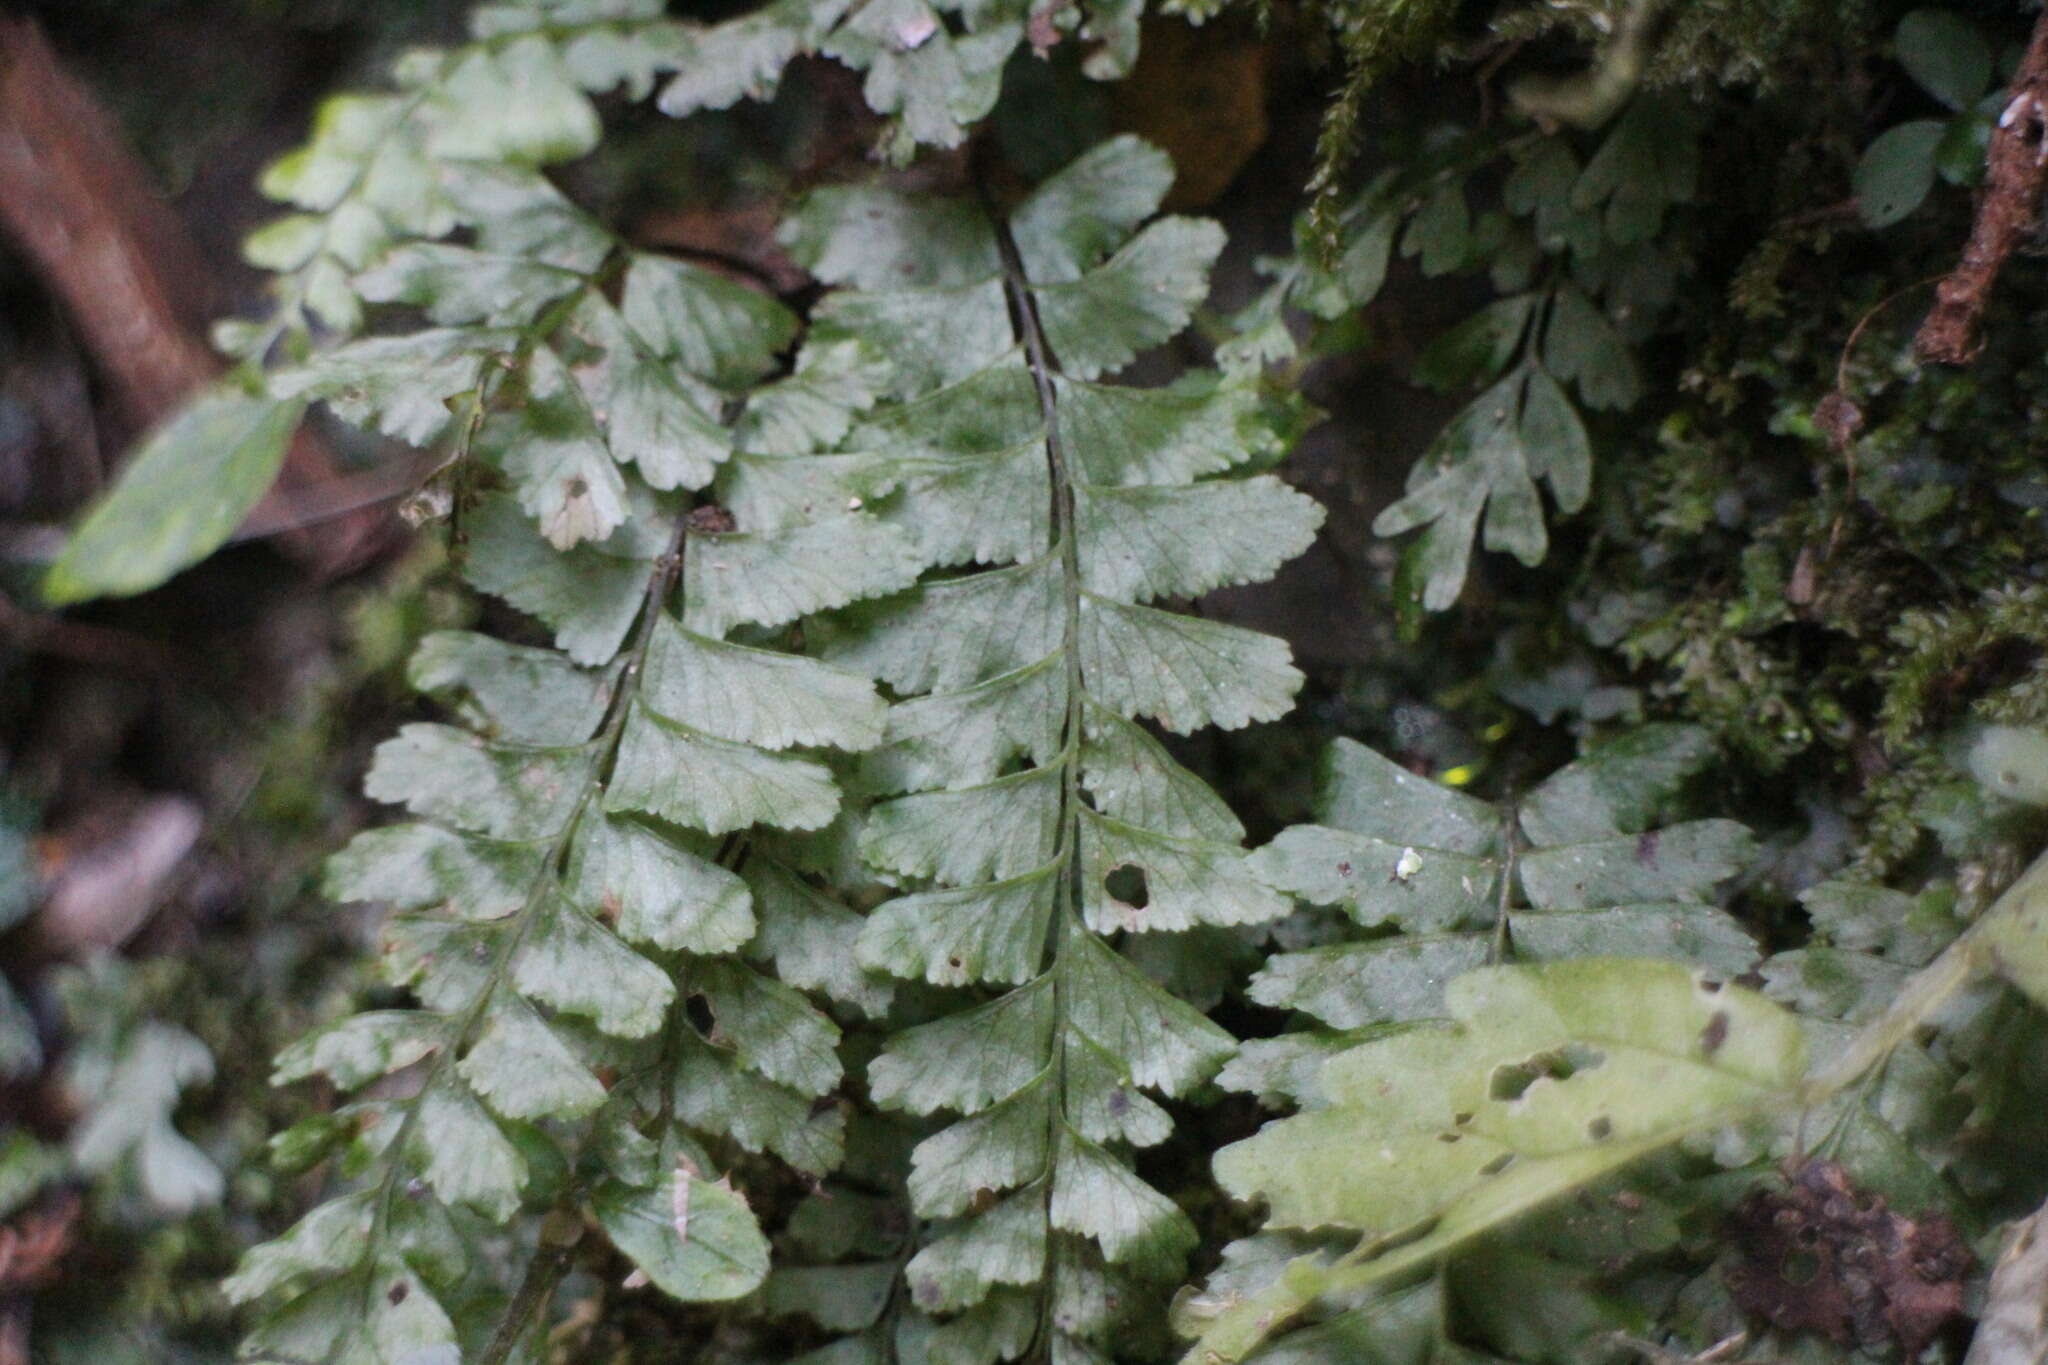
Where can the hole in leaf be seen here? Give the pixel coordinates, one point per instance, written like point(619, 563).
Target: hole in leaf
point(1126, 883)
point(1600, 1129)
point(1498, 1164)
point(701, 1018)
point(1509, 1082)
point(1579, 1057)
point(710, 520)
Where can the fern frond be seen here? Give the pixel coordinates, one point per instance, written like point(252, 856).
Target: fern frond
point(1027, 818)
point(570, 885)
point(1576, 869)
point(1583, 278)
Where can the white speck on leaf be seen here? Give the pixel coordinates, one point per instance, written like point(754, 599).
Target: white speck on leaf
point(915, 33)
point(1410, 864)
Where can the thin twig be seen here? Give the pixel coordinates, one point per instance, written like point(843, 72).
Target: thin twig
point(1840, 417)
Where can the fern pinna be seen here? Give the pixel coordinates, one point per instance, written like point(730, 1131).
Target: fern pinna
point(1025, 815)
point(568, 892)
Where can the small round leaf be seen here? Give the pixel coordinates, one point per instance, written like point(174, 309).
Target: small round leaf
point(1897, 170)
point(1946, 54)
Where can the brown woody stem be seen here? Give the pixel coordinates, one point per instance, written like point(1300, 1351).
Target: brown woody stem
point(2017, 169)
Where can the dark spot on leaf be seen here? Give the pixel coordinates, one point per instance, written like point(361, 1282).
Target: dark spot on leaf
point(1600, 1129)
point(578, 487)
point(954, 962)
point(1125, 884)
point(1715, 1033)
point(1343, 869)
point(1450, 1137)
point(397, 1293)
point(1498, 1164)
point(1119, 1102)
point(1461, 1119)
point(926, 1291)
point(1646, 846)
point(1710, 986)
